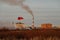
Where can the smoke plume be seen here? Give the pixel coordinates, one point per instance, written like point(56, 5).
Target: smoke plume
point(12, 2)
point(27, 9)
point(19, 3)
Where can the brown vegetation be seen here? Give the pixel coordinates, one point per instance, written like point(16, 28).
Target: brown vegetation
point(44, 33)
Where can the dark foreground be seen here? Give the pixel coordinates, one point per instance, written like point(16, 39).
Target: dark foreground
point(34, 34)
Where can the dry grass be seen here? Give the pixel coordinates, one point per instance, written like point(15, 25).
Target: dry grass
point(34, 34)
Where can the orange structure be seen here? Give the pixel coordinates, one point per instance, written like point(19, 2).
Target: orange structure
point(46, 25)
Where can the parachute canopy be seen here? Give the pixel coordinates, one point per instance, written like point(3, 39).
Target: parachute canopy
point(20, 18)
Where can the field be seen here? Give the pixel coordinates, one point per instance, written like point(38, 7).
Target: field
point(34, 34)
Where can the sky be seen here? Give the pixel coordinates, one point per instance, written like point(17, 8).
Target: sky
point(45, 11)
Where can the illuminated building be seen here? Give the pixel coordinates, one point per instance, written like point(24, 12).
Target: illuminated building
point(46, 25)
point(19, 25)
